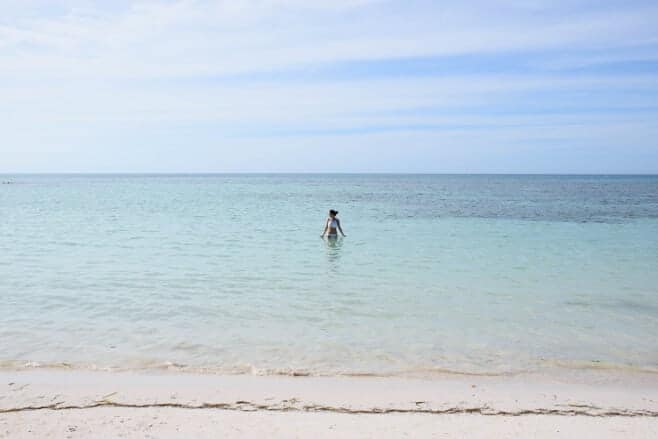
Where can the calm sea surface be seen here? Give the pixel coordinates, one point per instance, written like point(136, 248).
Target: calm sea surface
point(228, 273)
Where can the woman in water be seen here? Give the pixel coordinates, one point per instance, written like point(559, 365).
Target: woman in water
point(332, 225)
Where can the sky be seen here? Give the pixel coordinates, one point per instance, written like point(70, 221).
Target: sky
point(499, 86)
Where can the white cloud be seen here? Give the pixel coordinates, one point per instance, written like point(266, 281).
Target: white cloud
point(288, 104)
point(78, 73)
point(189, 38)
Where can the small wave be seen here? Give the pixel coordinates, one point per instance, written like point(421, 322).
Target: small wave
point(597, 365)
point(247, 369)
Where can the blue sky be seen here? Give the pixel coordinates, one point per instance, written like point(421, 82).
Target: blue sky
point(343, 86)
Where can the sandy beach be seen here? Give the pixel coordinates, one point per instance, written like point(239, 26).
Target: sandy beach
point(77, 404)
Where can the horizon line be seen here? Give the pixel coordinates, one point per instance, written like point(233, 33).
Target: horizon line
point(183, 173)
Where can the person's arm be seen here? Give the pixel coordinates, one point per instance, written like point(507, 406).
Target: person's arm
point(339, 227)
point(326, 226)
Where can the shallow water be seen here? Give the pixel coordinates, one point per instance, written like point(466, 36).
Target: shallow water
point(482, 274)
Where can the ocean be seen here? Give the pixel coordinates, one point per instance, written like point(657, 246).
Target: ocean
point(481, 274)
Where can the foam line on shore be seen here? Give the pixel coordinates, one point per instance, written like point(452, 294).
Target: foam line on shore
point(548, 366)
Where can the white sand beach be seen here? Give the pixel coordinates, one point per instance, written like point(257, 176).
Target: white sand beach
point(82, 404)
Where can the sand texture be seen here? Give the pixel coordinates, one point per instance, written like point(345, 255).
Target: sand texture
point(82, 404)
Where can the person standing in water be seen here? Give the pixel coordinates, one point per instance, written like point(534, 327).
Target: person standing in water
point(332, 226)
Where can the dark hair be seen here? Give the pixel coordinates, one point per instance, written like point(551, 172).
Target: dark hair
point(334, 212)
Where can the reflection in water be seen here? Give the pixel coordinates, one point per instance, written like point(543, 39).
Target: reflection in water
point(333, 253)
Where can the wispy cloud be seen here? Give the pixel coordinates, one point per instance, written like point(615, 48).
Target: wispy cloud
point(200, 38)
point(262, 73)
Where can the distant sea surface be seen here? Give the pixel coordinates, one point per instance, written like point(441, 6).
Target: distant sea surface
point(228, 273)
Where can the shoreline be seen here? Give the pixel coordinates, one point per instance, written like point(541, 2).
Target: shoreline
point(56, 398)
point(557, 368)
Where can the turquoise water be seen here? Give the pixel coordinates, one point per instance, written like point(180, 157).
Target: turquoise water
point(484, 274)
